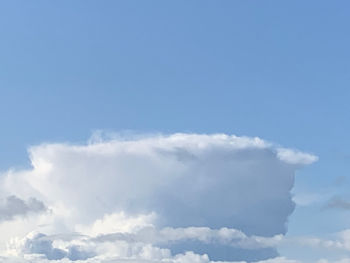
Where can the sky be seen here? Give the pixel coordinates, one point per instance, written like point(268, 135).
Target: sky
point(192, 92)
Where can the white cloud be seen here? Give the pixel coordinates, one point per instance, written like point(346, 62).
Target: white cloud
point(295, 157)
point(339, 241)
point(212, 189)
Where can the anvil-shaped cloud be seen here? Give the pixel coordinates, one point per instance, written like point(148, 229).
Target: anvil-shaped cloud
point(150, 197)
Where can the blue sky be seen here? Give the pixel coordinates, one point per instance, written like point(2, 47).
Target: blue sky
point(278, 70)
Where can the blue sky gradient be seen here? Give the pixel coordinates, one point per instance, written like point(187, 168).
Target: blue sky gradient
point(274, 69)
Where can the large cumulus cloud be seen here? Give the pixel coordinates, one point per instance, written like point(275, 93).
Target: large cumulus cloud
point(216, 194)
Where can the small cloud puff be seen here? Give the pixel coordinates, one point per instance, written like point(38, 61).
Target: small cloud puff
point(295, 157)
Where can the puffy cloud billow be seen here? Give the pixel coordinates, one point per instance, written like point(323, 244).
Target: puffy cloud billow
point(178, 198)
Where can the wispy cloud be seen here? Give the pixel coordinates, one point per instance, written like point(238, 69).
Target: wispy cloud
point(338, 203)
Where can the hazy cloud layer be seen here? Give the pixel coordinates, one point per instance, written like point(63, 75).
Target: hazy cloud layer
point(148, 196)
point(338, 203)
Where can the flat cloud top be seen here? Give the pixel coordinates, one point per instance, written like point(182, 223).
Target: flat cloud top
point(186, 184)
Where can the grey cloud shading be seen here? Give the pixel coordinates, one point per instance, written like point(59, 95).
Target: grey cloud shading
point(217, 251)
point(13, 206)
point(42, 244)
point(338, 203)
point(223, 236)
point(246, 189)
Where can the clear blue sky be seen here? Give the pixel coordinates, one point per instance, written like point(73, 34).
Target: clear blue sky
point(274, 69)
